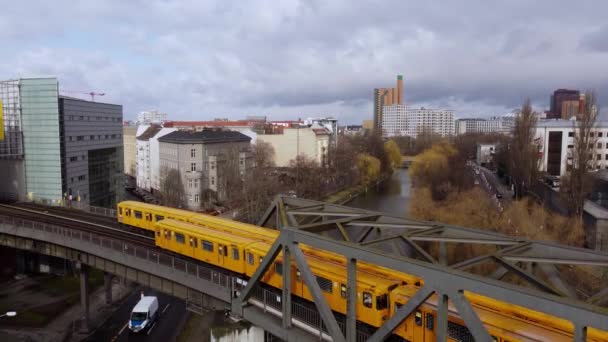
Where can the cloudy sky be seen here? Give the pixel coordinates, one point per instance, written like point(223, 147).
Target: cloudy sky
point(198, 59)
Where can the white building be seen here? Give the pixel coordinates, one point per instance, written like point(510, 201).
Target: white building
point(329, 123)
point(151, 117)
point(154, 158)
point(142, 155)
point(485, 153)
point(555, 140)
point(403, 120)
point(502, 124)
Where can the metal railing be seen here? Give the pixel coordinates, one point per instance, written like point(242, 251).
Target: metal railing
point(127, 248)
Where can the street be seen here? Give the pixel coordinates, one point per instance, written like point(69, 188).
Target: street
point(172, 314)
point(500, 193)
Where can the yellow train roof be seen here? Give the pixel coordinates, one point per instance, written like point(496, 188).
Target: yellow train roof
point(202, 232)
point(155, 208)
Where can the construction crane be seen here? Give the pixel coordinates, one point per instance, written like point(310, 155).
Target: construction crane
point(92, 94)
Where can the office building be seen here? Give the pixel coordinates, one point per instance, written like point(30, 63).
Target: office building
point(402, 120)
point(565, 104)
point(198, 155)
point(555, 141)
point(70, 148)
point(386, 97)
point(502, 124)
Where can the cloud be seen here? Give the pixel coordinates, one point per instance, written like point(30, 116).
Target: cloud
point(202, 59)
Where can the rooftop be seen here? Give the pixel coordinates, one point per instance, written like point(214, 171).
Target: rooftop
point(566, 123)
point(206, 136)
point(149, 132)
point(214, 123)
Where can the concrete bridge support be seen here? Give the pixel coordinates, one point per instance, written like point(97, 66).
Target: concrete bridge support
point(84, 297)
point(107, 283)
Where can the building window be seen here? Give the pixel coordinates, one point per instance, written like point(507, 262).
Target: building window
point(196, 183)
point(92, 137)
point(599, 145)
point(570, 134)
point(600, 134)
point(192, 166)
point(73, 159)
point(70, 138)
point(193, 153)
point(570, 146)
point(81, 177)
point(599, 157)
point(212, 165)
point(190, 183)
point(196, 197)
point(80, 138)
point(212, 180)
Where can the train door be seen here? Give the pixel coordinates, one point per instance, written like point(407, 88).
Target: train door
point(222, 253)
point(193, 245)
point(297, 282)
point(424, 326)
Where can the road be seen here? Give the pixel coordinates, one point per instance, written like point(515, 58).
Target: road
point(173, 313)
point(490, 182)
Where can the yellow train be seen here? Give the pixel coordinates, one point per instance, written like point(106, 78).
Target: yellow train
point(240, 247)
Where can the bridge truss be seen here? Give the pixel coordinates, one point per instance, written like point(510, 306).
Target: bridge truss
point(523, 272)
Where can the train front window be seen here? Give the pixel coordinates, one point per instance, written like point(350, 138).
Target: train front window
point(382, 302)
point(367, 299)
point(138, 214)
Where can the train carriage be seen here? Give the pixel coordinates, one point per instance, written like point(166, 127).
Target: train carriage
point(145, 216)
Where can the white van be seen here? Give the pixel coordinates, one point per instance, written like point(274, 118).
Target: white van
point(144, 313)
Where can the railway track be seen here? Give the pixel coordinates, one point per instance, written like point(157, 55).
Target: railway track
point(54, 218)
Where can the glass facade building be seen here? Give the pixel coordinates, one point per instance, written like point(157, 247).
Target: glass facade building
point(40, 124)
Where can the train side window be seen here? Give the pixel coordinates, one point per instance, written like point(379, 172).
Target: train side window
point(430, 322)
point(180, 238)
point(418, 318)
point(381, 302)
point(159, 218)
point(278, 268)
point(342, 290)
point(207, 246)
point(235, 253)
point(138, 214)
point(249, 258)
point(367, 299)
point(325, 284)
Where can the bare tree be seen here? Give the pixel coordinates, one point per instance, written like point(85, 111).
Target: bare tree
point(578, 181)
point(230, 180)
point(260, 186)
point(523, 152)
point(171, 188)
point(310, 178)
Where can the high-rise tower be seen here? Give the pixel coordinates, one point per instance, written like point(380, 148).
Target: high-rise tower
point(386, 97)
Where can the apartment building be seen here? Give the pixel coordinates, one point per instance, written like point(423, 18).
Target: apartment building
point(386, 97)
point(403, 120)
point(312, 142)
point(198, 155)
point(501, 124)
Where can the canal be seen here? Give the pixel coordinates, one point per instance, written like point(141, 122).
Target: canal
point(391, 197)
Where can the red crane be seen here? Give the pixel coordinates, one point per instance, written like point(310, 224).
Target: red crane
point(91, 93)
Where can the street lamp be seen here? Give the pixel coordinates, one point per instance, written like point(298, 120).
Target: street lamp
point(9, 314)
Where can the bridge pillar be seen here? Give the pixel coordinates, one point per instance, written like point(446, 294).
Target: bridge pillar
point(107, 283)
point(84, 297)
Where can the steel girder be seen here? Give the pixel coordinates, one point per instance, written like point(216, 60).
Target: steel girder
point(405, 245)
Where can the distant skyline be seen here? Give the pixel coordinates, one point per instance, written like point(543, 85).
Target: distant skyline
point(197, 60)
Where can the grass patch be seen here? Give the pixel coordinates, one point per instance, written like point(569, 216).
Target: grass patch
point(37, 317)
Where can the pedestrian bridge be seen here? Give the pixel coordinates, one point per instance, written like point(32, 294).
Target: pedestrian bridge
point(359, 235)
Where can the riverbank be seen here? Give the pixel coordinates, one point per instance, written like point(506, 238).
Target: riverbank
point(346, 195)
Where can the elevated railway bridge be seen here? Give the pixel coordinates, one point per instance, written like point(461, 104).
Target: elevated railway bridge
point(450, 260)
